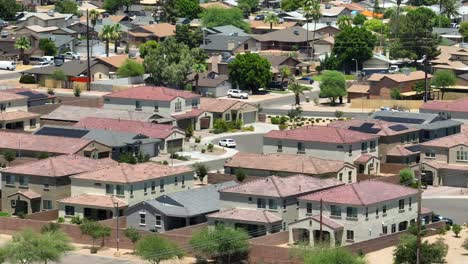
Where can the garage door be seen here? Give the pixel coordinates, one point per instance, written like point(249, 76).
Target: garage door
point(455, 180)
point(249, 117)
point(174, 145)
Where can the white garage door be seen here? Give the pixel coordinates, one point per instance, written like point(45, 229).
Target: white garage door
point(455, 180)
point(249, 117)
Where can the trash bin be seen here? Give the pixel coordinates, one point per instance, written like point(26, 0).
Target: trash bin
point(307, 99)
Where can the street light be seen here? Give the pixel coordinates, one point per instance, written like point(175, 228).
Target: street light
point(357, 73)
point(117, 225)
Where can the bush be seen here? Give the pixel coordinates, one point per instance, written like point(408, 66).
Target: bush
point(197, 139)
point(203, 150)
point(189, 132)
point(248, 128)
point(240, 175)
point(50, 91)
point(27, 79)
point(76, 92)
point(210, 147)
point(165, 162)
point(456, 229)
point(275, 120)
point(339, 114)
point(283, 126)
point(61, 220)
point(77, 220)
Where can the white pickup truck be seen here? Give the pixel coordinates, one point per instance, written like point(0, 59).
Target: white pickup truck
point(236, 93)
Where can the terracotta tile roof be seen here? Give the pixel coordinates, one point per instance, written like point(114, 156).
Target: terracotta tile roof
point(152, 130)
point(117, 18)
point(382, 128)
point(189, 114)
point(259, 24)
point(444, 165)
point(105, 201)
point(402, 151)
point(460, 105)
point(59, 166)
point(399, 77)
point(325, 134)
point(358, 88)
point(214, 4)
point(364, 158)
point(300, 164)
point(38, 143)
point(448, 141)
point(156, 93)
point(160, 30)
point(28, 194)
point(274, 186)
point(328, 222)
point(118, 60)
point(17, 115)
point(5, 96)
point(362, 193)
point(216, 105)
point(128, 173)
point(248, 215)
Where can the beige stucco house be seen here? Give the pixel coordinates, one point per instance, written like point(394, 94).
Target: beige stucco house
point(230, 110)
point(14, 113)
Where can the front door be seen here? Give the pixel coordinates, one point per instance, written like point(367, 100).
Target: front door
point(21, 207)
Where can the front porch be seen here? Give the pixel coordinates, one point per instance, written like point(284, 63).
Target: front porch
point(196, 119)
point(23, 203)
point(307, 232)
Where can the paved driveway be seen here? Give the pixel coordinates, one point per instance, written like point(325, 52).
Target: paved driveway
point(455, 208)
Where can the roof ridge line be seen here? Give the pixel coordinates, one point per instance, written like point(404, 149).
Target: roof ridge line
point(355, 192)
point(276, 186)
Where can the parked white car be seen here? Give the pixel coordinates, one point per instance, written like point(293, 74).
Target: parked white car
point(8, 65)
point(70, 55)
point(236, 93)
point(394, 69)
point(228, 143)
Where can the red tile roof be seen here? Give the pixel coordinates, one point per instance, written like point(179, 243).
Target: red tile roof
point(189, 114)
point(385, 128)
point(364, 158)
point(448, 141)
point(39, 143)
point(5, 96)
point(444, 165)
point(321, 134)
point(362, 193)
point(274, 186)
point(17, 115)
point(156, 93)
point(460, 105)
point(59, 166)
point(248, 215)
point(128, 173)
point(105, 201)
point(152, 130)
point(328, 222)
point(399, 77)
point(28, 194)
point(401, 151)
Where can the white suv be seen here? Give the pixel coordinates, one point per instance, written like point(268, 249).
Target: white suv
point(236, 93)
point(227, 142)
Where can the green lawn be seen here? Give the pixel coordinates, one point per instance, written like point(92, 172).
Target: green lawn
point(4, 214)
point(349, 77)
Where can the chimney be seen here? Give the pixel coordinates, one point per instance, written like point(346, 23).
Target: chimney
point(230, 45)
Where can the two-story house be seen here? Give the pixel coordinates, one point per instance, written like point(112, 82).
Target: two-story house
point(98, 194)
point(14, 113)
point(354, 213)
point(444, 161)
point(169, 104)
point(34, 187)
point(45, 19)
point(381, 85)
point(263, 165)
point(267, 205)
point(397, 142)
point(327, 142)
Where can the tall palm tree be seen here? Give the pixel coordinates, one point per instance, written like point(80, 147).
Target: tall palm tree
point(344, 21)
point(297, 89)
point(116, 36)
point(22, 44)
point(198, 68)
point(449, 8)
point(93, 18)
point(106, 35)
point(271, 18)
point(312, 11)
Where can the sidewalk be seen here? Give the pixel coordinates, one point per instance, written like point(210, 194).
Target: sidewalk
point(444, 192)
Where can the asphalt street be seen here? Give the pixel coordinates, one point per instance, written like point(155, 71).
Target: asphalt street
point(74, 258)
point(6, 75)
point(251, 143)
point(453, 208)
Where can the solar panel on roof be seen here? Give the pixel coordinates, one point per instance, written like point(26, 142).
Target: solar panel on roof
point(61, 132)
point(365, 129)
point(33, 96)
point(398, 127)
point(405, 120)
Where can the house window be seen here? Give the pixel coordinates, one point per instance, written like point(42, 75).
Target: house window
point(145, 188)
point(119, 190)
point(142, 218)
point(46, 186)
point(367, 212)
point(109, 189)
point(138, 105)
point(410, 201)
point(23, 181)
point(97, 184)
point(46, 205)
point(364, 146)
point(384, 209)
point(194, 104)
point(261, 203)
point(176, 181)
point(272, 204)
point(430, 154)
point(350, 176)
point(158, 219)
point(309, 208)
point(13, 203)
point(462, 155)
point(32, 123)
point(10, 180)
point(401, 204)
point(178, 106)
point(227, 117)
point(280, 146)
point(161, 185)
point(335, 210)
point(350, 150)
point(69, 210)
point(284, 204)
point(377, 211)
point(384, 230)
point(156, 108)
point(372, 145)
point(351, 212)
point(300, 147)
point(183, 180)
point(393, 228)
point(153, 186)
point(2, 107)
point(340, 176)
point(414, 137)
point(349, 235)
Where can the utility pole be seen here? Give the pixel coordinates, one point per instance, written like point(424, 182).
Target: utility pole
point(88, 79)
point(117, 228)
point(321, 213)
point(418, 220)
point(426, 83)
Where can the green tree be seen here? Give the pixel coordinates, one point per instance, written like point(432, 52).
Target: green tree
point(198, 68)
point(464, 30)
point(93, 17)
point(285, 72)
point(8, 9)
point(22, 44)
point(111, 6)
point(43, 155)
point(456, 228)
point(407, 177)
point(214, 17)
point(449, 8)
point(395, 93)
point(354, 43)
point(312, 12)
point(95, 231)
point(443, 79)
point(154, 249)
point(359, 19)
point(127, 157)
point(187, 8)
point(323, 254)
point(130, 68)
point(250, 71)
point(9, 156)
point(405, 253)
point(272, 19)
point(297, 89)
point(133, 235)
point(66, 7)
point(147, 47)
point(201, 170)
point(168, 12)
point(333, 85)
point(220, 243)
point(240, 175)
point(329, 62)
point(376, 25)
point(291, 5)
point(248, 6)
point(107, 34)
point(418, 87)
point(344, 21)
point(116, 36)
point(48, 47)
point(190, 37)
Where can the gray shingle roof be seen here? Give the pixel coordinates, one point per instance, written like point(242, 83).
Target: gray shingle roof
point(70, 68)
point(419, 120)
point(228, 30)
point(59, 40)
point(221, 42)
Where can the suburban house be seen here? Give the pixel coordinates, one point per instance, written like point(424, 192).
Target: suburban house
point(176, 210)
point(230, 110)
point(172, 138)
point(455, 59)
point(35, 98)
point(35, 187)
point(7, 46)
point(267, 205)
point(108, 66)
point(377, 64)
point(358, 148)
point(354, 213)
point(99, 194)
point(278, 164)
point(30, 145)
point(431, 126)
point(218, 43)
point(260, 27)
point(324, 29)
point(14, 113)
point(457, 109)
point(331, 13)
point(49, 19)
point(157, 32)
point(169, 104)
point(213, 85)
point(358, 91)
point(278, 61)
point(381, 85)
point(392, 136)
point(288, 39)
point(444, 161)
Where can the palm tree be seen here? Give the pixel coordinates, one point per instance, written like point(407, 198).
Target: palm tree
point(116, 35)
point(450, 9)
point(93, 18)
point(271, 18)
point(22, 44)
point(344, 21)
point(198, 68)
point(106, 35)
point(297, 89)
point(312, 11)
point(284, 72)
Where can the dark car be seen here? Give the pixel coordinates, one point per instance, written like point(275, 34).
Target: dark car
point(308, 79)
point(260, 17)
point(437, 218)
point(277, 85)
